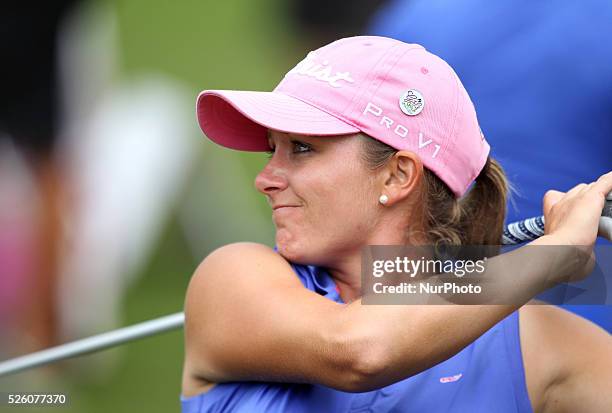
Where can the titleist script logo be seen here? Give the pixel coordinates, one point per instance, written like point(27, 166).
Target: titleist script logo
point(320, 71)
point(399, 129)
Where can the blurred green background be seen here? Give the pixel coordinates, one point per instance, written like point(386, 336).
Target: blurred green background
point(205, 44)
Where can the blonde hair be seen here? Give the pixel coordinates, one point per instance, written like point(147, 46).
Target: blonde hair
point(477, 218)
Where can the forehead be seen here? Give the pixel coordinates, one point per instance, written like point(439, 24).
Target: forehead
point(275, 136)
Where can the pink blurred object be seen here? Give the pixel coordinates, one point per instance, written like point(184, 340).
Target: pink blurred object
point(18, 250)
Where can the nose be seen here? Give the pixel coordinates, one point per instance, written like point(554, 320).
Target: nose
point(272, 179)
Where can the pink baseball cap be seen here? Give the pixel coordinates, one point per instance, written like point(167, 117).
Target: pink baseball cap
point(395, 92)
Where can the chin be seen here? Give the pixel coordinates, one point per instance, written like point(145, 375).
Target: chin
point(287, 251)
point(294, 252)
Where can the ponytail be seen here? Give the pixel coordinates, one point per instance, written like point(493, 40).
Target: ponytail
point(475, 219)
point(484, 206)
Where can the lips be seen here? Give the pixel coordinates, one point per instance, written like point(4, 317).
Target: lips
point(275, 207)
point(283, 211)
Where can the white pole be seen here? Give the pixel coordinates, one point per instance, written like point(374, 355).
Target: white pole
point(92, 344)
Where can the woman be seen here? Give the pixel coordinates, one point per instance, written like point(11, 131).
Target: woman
point(376, 142)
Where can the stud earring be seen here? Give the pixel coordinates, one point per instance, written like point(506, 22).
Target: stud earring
point(383, 199)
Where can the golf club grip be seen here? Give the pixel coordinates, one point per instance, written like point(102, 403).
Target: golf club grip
point(533, 228)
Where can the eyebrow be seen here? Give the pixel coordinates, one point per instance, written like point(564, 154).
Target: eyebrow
point(291, 136)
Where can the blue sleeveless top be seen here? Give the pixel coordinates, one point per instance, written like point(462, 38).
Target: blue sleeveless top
point(486, 376)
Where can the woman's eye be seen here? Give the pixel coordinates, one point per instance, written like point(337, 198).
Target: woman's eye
point(300, 147)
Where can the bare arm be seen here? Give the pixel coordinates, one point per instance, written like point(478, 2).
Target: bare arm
point(248, 317)
point(568, 361)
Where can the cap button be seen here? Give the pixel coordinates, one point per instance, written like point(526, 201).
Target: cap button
point(411, 102)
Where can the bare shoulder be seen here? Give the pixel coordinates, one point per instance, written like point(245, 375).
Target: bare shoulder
point(243, 273)
point(239, 262)
point(234, 326)
point(230, 274)
point(237, 253)
point(564, 332)
point(563, 354)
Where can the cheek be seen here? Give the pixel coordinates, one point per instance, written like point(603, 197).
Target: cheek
point(349, 208)
point(339, 210)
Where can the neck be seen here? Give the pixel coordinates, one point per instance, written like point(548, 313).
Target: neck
point(347, 275)
point(346, 270)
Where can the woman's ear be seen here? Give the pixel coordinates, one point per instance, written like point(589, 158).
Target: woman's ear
point(403, 174)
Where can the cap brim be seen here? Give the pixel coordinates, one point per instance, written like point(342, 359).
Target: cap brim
point(240, 120)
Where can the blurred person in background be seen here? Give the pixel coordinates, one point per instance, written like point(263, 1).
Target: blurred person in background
point(31, 187)
point(105, 154)
point(539, 74)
